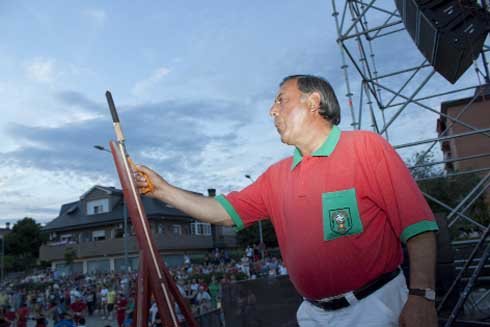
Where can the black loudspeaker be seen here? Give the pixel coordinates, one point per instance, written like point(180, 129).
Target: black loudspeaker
point(449, 33)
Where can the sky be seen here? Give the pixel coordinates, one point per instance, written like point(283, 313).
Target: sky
point(192, 80)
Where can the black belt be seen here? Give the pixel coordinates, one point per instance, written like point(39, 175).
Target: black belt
point(361, 293)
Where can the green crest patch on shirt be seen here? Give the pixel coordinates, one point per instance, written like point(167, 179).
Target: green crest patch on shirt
point(340, 214)
point(340, 221)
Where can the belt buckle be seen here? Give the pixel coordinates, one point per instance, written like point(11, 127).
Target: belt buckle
point(331, 298)
point(332, 303)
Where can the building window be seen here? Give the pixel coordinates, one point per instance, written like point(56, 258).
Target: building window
point(161, 229)
point(118, 231)
point(198, 228)
point(97, 206)
point(177, 229)
point(84, 237)
point(98, 235)
point(97, 266)
point(66, 238)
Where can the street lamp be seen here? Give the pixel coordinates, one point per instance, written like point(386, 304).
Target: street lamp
point(125, 219)
point(101, 148)
point(3, 256)
point(261, 238)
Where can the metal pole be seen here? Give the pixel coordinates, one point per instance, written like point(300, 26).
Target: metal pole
point(3, 255)
point(475, 250)
point(261, 238)
point(125, 219)
point(126, 258)
point(469, 286)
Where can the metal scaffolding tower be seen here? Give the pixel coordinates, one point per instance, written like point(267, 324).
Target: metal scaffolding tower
point(389, 83)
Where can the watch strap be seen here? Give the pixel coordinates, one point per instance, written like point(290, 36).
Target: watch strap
point(427, 293)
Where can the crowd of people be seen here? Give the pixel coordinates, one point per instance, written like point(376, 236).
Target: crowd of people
point(66, 300)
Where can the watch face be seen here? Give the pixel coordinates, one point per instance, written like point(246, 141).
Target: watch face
point(430, 294)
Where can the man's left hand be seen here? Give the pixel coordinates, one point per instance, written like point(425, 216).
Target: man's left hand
point(417, 312)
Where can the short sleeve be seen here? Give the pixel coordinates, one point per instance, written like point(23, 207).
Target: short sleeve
point(406, 208)
point(248, 205)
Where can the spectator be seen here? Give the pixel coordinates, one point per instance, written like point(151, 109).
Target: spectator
point(190, 293)
point(103, 302)
point(187, 259)
point(111, 302)
point(41, 320)
point(282, 270)
point(204, 306)
point(249, 252)
point(121, 306)
point(65, 321)
point(90, 297)
point(157, 322)
point(10, 315)
point(153, 312)
point(202, 295)
point(78, 308)
point(3, 299)
point(245, 265)
point(22, 315)
point(3, 320)
point(214, 291)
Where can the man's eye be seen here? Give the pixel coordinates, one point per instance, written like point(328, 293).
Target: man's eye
point(280, 101)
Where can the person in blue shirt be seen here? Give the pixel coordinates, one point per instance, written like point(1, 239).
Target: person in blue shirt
point(65, 321)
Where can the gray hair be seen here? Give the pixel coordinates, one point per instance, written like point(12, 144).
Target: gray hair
point(329, 105)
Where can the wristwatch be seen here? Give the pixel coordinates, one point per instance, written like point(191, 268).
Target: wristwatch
point(427, 293)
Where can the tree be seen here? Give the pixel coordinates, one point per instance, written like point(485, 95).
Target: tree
point(23, 242)
point(423, 167)
point(448, 190)
point(250, 235)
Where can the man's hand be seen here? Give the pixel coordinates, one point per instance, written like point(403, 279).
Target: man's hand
point(418, 312)
point(200, 207)
point(144, 176)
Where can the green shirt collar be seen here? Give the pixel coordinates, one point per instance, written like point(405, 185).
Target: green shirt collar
point(324, 150)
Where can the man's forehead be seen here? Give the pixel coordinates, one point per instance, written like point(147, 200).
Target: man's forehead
point(288, 87)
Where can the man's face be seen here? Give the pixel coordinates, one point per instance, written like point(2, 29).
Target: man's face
point(290, 112)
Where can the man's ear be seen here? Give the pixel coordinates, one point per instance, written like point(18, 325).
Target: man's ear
point(314, 100)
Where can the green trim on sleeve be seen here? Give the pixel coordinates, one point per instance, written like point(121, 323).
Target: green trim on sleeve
point(418, 228)
point(231, 211)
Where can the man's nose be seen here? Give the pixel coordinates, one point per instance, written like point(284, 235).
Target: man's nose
point(273, 110)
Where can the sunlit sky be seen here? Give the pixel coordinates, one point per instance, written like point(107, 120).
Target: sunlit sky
point(193, 82)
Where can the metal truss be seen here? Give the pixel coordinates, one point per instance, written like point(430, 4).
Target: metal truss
point(382, 90)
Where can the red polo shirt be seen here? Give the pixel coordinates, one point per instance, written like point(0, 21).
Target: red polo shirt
point(339, 215)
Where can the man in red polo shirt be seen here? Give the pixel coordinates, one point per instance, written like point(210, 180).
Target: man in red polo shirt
point(341, 206)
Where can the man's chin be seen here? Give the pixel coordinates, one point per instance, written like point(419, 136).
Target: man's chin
point(284, 140)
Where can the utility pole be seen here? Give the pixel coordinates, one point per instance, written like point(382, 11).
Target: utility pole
point(125, 219)
point(261, 238)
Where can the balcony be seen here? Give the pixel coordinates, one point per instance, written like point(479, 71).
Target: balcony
point(115, 247)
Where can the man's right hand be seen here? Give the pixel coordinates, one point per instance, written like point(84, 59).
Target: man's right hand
point(147, 179)
point(200, 207)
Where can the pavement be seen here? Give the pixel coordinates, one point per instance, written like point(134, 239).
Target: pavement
point(91, 321)
point(97, 321)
